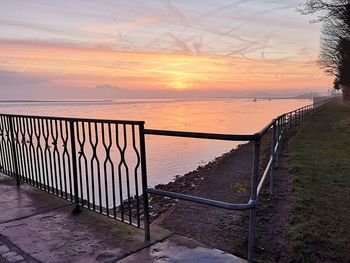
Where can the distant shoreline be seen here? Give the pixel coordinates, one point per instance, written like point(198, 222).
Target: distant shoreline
point(111, 100)
point(53, 101)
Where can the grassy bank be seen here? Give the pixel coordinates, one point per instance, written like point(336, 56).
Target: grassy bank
point(320, 164)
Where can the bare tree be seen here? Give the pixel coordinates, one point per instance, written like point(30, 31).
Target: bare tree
point(335, 40)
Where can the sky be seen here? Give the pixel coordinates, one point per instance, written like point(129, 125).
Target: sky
point(101, 48)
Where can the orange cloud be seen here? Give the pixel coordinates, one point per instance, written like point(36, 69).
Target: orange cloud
point(91, 66)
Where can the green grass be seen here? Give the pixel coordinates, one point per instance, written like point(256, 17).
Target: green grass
point(320, 164)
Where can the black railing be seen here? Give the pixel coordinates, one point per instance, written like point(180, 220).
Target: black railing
point(101, 164)
point(93, 163)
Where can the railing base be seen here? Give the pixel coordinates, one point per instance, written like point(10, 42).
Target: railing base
point(76, 210)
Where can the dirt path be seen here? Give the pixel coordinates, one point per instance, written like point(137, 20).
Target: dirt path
point(273, 216)
point(229, 180)
point(223, 229)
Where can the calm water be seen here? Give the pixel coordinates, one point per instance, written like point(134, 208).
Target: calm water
point(169, 156)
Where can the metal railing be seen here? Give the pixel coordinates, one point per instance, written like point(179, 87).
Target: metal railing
point(93, 163)
point(276, 129)
point(101, 164)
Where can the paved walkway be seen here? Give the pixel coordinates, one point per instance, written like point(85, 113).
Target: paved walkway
point(38, 227)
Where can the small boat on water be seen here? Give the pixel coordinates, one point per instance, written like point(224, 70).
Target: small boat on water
point(255, 99)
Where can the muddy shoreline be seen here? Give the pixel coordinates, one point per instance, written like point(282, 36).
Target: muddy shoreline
point(227, 178)
point(184, 184)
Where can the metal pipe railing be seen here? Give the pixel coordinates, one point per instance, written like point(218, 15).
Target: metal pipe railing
point(200, 135)
point(278, 127)
point(203, 201)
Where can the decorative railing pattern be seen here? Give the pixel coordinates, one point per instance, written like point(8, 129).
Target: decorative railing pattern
point(94, 163)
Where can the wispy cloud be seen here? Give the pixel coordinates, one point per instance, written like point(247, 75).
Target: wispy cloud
point(156, 44)
point(89, 66)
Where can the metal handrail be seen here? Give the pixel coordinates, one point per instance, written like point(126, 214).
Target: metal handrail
point(203, 201)
point(201, 135)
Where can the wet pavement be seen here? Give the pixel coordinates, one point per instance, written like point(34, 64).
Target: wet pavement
point(38, 227)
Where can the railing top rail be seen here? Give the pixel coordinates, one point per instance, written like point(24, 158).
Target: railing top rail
point(74, 119)
point(201, 135)
point(266, 128)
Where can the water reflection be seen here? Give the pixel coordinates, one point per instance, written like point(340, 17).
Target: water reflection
point(169, 156)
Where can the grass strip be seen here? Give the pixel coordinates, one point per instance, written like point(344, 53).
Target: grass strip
point(320, 164)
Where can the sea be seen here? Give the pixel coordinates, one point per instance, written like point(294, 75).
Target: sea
point(168, 157)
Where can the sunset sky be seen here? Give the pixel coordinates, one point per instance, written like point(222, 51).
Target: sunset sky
point(51, 48)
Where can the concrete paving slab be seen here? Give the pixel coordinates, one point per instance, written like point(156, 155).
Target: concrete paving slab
point(59, 236)
point(40, 227)
point(24, 200)
point(11, 253)
point(179, 249)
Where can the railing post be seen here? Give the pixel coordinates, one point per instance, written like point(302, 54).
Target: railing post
point(289, 122)
point(307, 112)
point(253, 197)
point(144, 182)
point(302, 115)
point(273, 144)
point(13, 148)
point(283, 124)
point(278, 133)
point(76, 209)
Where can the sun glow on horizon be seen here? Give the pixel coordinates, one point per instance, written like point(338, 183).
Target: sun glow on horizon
point(178, 46)
point(71, 65)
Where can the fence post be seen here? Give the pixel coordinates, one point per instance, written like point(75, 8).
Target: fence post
point(278, 133)
point(144, 182)
point(76, 209)
point(253, 196)
point(283, 125)
point(273, 144)
point(13, 148)
point(302, 116)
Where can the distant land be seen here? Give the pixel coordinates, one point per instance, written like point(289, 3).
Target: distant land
point(53, 101)
point(260, 95)
point(266, 95)
point(104, 93)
